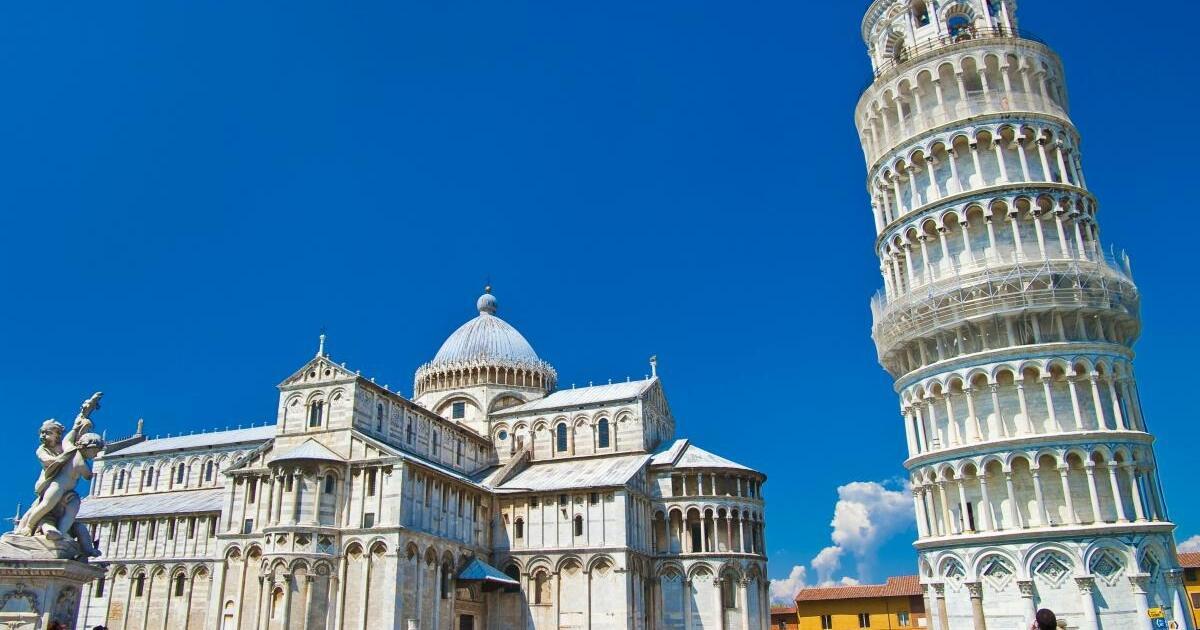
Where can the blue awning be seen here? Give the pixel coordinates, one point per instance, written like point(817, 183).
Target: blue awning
point(491, 577)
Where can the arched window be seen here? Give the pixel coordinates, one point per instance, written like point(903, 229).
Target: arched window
point(179, 472)
point(208, 471)
point(728, 597)
point(179, 585)
point(561, 437)
point(458, 453)
point(959, 26)
point(541, 588)
point(920, 13)
point(316, 413)
point(519, 529)
point(329, 484)
point(435, 443)
point(602, 433)
point(121, 479)
point(379, 417)
point(139, 585)
point(578, 525)
point(408, 432)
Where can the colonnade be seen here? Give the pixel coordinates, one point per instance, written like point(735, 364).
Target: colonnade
point(711, 484)
point(940, 92)
point(707, 530)
point(1037, 490)
point(974, 238)
point(961, 161)
point(451, 376)
point(1037, 403)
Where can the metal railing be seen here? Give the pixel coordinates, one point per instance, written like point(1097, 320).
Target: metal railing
point(1104, 284)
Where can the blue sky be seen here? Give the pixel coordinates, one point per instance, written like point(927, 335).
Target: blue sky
point(190, 191)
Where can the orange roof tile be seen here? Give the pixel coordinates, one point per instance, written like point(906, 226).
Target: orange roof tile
point(903, 586)
point(1189, 560)
point(783, 610)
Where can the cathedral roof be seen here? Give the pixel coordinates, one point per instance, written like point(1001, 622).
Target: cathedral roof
point(199, 440)
point(598, 472)
point(179, 502)
point(486, 339)
point(309, 450)
point(577, 397)
point(684, 454)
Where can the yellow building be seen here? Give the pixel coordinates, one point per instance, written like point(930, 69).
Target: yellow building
point(1191, 580)
point(896, 604)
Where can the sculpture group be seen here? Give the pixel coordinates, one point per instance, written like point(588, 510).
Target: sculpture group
point(49, 525)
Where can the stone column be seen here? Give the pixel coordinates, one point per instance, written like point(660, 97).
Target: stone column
point(286, 583)
point(972, 419)
point(975, 590)
point(966, 524)
point(687, 604)
point(1046, 386)
point(1013, 513)
point(1087, 584)
point(930, 610)
point(1065, 472)
point(1093, 494)
point(949, 528)
point(1138, 509)
point(1075, 403)
point(1181, 608)
point(1101, 421)
point(1116, 405)
point(1026, 422)
point(1116, 492)
point(308, 597)
point(939, 590)
point(1043, 515)
point(744, 601)
point(1138, 581)
point(1027, 591)
point(919, 511)
point(985, 506)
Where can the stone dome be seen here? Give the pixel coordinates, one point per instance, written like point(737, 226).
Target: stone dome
point(486, 338)
point(486, 349)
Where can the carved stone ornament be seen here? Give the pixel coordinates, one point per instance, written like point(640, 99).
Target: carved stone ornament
point(1086, 584)
point(974, 589)
point(1026, 587)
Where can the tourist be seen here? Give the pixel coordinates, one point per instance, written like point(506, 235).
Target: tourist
point(1045, 620)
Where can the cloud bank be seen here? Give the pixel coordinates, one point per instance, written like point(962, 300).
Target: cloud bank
point(866, 516)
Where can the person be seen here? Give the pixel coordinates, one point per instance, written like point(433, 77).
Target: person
point(1045, 620)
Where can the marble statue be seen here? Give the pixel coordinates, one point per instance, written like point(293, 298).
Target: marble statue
point(50, 521)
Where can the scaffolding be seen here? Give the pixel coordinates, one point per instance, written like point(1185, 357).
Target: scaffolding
point(1104, 284)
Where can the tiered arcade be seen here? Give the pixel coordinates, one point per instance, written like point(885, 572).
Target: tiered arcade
point(1008, 331)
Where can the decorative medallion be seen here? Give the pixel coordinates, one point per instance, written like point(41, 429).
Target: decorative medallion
point(1107, 566)
point(1052, 567)
point(998, 572)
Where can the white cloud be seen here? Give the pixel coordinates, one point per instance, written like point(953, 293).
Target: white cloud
point(1190, 545)
point(784, 591)
point(826, 563)
point(867, 515)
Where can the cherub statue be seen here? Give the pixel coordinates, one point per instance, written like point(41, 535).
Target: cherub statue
point(65, 460)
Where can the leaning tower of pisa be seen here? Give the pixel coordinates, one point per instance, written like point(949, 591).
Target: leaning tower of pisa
point(1008, 329)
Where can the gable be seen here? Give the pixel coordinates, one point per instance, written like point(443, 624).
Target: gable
point(318, 371)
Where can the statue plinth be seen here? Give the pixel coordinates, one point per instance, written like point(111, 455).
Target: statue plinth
point(41, 583)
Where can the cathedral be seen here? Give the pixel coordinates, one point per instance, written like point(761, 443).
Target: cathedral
point(491, 498)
